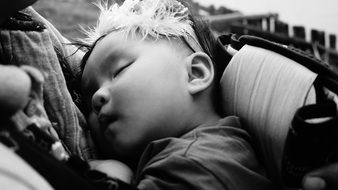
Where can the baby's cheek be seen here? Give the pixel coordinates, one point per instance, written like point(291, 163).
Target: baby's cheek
point(93, 122)
point(97, 133)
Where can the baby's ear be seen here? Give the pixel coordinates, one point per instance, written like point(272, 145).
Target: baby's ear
point(200, 71)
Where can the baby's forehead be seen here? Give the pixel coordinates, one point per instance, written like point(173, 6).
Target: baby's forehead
point(122, 42)
point(115, 45)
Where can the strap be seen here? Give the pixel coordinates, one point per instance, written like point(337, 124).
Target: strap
point(55, 172)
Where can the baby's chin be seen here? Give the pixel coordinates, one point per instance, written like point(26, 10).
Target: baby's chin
point(125, 148)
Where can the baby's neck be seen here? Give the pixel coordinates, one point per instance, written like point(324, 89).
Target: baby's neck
point(202, 116)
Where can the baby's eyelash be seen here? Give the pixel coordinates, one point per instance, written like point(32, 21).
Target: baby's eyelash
point(122, 69)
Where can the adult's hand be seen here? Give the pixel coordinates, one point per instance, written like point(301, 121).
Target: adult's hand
point(15, 87)
point(325, 178)
point(113, 168)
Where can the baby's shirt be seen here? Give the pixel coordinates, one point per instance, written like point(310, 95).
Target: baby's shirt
point(208, 157)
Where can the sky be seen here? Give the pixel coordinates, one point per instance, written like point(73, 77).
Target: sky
point(316, 14)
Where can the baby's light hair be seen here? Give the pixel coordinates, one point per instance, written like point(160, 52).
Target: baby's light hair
point(156, 19)
point(146, 19)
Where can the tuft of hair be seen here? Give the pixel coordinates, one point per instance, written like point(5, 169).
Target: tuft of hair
point(145, 18)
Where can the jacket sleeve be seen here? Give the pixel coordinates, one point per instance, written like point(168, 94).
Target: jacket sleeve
point(178, 172)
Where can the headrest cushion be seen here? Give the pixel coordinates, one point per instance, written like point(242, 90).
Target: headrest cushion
point(265, 89)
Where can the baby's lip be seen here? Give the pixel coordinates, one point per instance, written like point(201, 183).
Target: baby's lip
point(105, 120)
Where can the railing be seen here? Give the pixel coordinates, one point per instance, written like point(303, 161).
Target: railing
point(268, 26)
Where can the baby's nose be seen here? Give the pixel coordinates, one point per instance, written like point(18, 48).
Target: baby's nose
point(100, 98)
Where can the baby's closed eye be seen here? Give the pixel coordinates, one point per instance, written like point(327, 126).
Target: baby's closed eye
point(122, 69)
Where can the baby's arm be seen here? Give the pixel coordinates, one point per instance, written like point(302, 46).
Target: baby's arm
point(113, 168)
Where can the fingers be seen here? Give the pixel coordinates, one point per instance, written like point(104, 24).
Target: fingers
point(37, 81)
point(34, 73)
point(314, 183)
point(323, 178)
point(113, 168)
point(15, 86)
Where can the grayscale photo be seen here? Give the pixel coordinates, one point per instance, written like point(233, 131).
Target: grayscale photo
point(168, 95)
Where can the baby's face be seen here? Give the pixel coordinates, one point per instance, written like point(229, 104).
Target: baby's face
point(137, 90)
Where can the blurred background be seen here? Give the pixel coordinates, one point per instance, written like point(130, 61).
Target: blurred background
point(310, 25)
point(68, 15)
